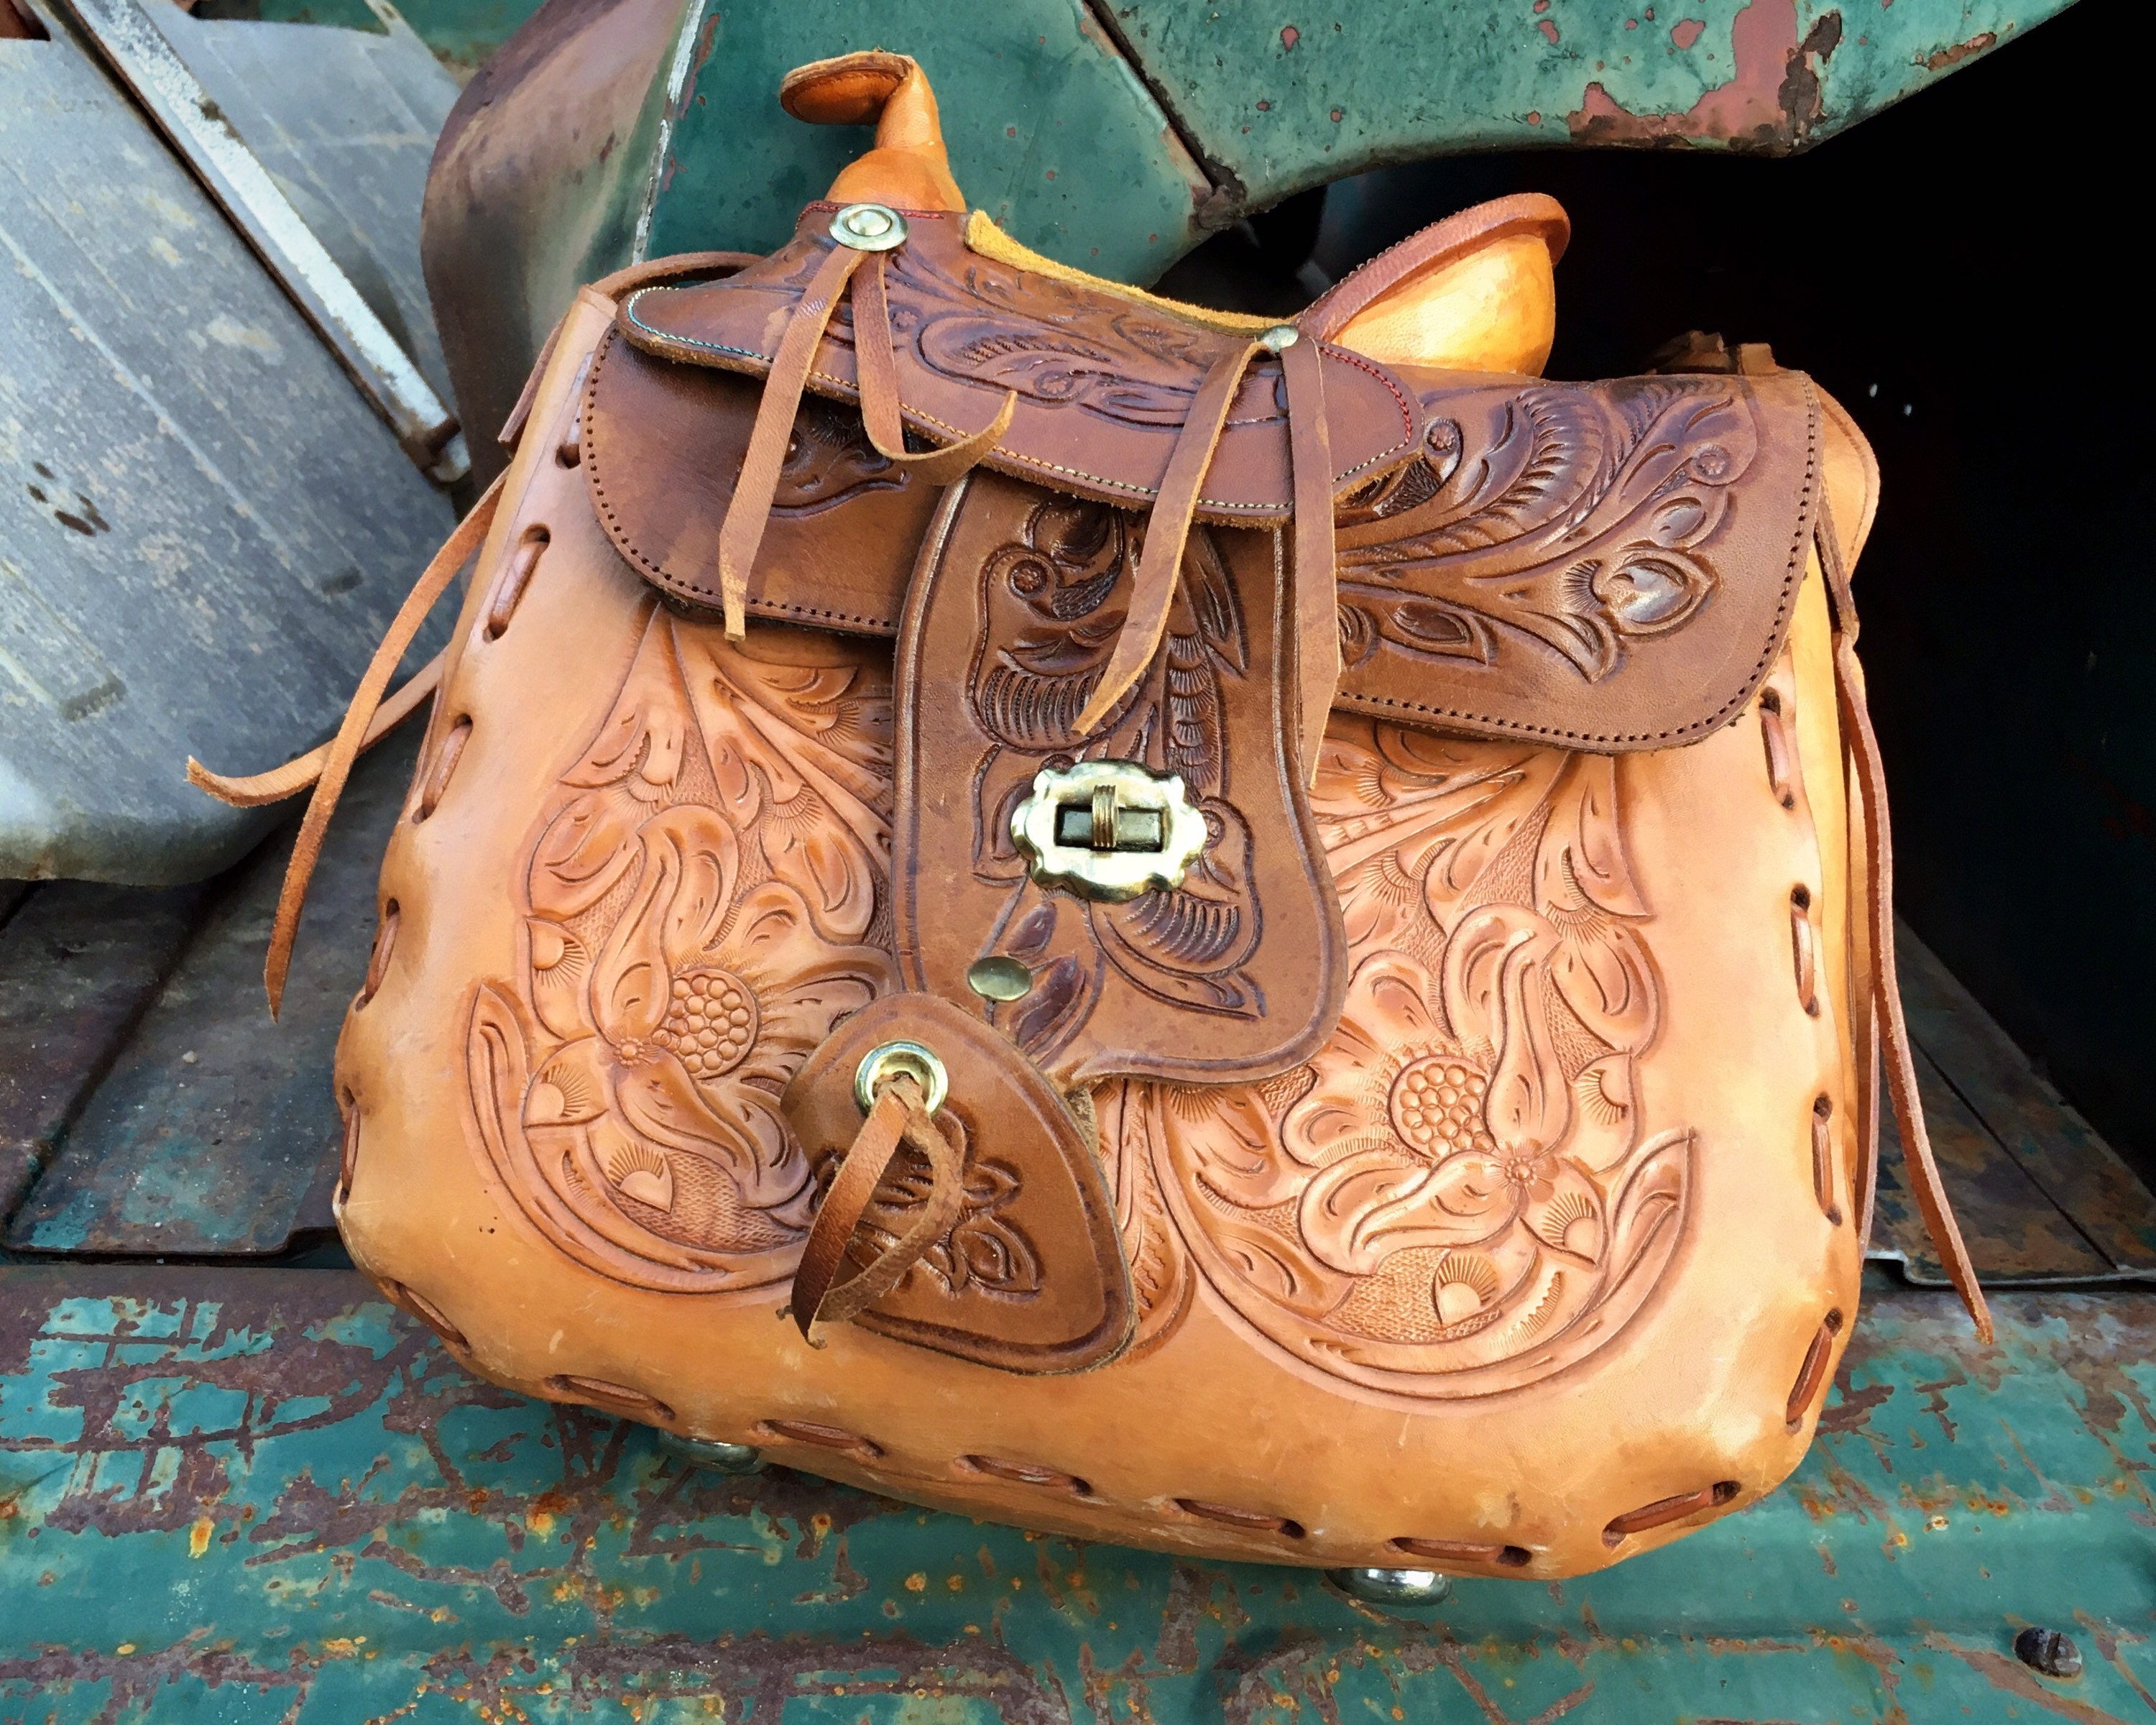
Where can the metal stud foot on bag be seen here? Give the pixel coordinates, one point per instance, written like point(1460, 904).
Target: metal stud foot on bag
point(1400, 1588)
point(712, 1453)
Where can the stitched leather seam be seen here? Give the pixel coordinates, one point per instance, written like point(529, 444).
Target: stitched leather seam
point(1037, 464)
point(1791, 574)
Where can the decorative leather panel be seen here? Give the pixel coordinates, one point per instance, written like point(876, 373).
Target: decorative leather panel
point(1465, 1190)
point(702, 905)
point(1014, 612)
point(1031, 1276)
point(1104, 383)
point(1606, 566)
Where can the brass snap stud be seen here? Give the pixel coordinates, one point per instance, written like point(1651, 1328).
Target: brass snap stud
point(999, 978)
point(891, 1060)
point(868, 228)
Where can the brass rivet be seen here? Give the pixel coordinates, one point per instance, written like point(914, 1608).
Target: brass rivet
point(891, 1060)
point(999, 978)
point(1280, 338)
point(868, 228)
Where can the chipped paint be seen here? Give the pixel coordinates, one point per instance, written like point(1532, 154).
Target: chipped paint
point(1772, 100)
point(1377, 85)
point(266, 1494)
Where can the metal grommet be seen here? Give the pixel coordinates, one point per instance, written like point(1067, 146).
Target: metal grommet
point(1400, 1588)
point(1280, 338)
point(999, 978)
point(721, 1457)
point(868, 228)
point(901, 1059)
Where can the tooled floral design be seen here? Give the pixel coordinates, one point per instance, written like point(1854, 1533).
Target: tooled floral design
point(1048, 596)
point(1581, 519)
point(1458, 1194)
point(986, 1249)
point(700, 897)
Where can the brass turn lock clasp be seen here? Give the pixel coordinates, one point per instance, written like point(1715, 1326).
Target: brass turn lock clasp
point(1108, 829)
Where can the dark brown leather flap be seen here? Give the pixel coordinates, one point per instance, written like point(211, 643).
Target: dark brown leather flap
point(1608, 565)
point(1103, 383)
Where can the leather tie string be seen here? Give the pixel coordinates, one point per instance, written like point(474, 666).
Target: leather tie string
point(1167, 531)
point(876, 366)
point(1316, 578)
point(328, 769)
point(1167, 528)
point(748, 511)
point(741, 532)
point(900, 1117)
point(1885, 1002)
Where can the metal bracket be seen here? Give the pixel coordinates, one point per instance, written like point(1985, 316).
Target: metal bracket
point(204, 139)
point(1108, 829)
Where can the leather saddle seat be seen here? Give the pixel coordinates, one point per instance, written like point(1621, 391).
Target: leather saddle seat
point(1459, 1153)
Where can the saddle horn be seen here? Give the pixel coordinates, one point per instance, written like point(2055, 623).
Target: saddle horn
point(908, 168)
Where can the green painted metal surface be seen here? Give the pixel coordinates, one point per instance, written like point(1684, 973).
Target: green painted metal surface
point(262, 1494)
point(461, 33)
point(1050, 131)
point(1276, 98)
point(1117, 135)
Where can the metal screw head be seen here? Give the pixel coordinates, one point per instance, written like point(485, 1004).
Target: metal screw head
point(2049, 1651)
point(1400, 1588)
point(999, 978)
point(868, 228)
point(1280, 338)
point(712, 1453)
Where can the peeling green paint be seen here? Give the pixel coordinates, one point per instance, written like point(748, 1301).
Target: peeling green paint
point(262, 1494)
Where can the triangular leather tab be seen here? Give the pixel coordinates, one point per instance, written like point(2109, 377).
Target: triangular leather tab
point(1031, 1276)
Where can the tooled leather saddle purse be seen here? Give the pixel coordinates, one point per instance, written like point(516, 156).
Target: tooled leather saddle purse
point(1266, 940)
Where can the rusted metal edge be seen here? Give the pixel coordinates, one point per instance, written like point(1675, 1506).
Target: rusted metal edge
point(196, 127)
point(678, 68)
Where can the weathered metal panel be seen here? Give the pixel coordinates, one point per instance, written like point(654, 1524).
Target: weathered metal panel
point(78, 964)
point(344, 122)
point(1050, 130)
point(215, 1131)
point(261, 1494)
point(1275, 100)
point(204, 527)
point(460, 33)
point(540, 182)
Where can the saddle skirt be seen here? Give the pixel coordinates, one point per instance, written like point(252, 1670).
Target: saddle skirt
point(1271, 937)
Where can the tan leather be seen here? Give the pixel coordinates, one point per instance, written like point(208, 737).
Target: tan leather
point(1546, 1121)
point(1029, 1276)
point(898, 1119)
point(301, 774)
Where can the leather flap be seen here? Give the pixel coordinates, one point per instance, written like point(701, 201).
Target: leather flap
point(1104, 382)
point(1610, 566)
point(1031, 1276)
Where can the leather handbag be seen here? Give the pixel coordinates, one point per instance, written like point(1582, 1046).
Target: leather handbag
point(1267, 940)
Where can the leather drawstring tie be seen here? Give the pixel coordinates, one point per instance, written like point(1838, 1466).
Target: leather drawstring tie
point(1317, 577)
point(254, 790)
point(900, 1117)
point(1167, 531)
point(358, 731)
point(876, 366)
point(748, 511)
point(1886, 1003)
